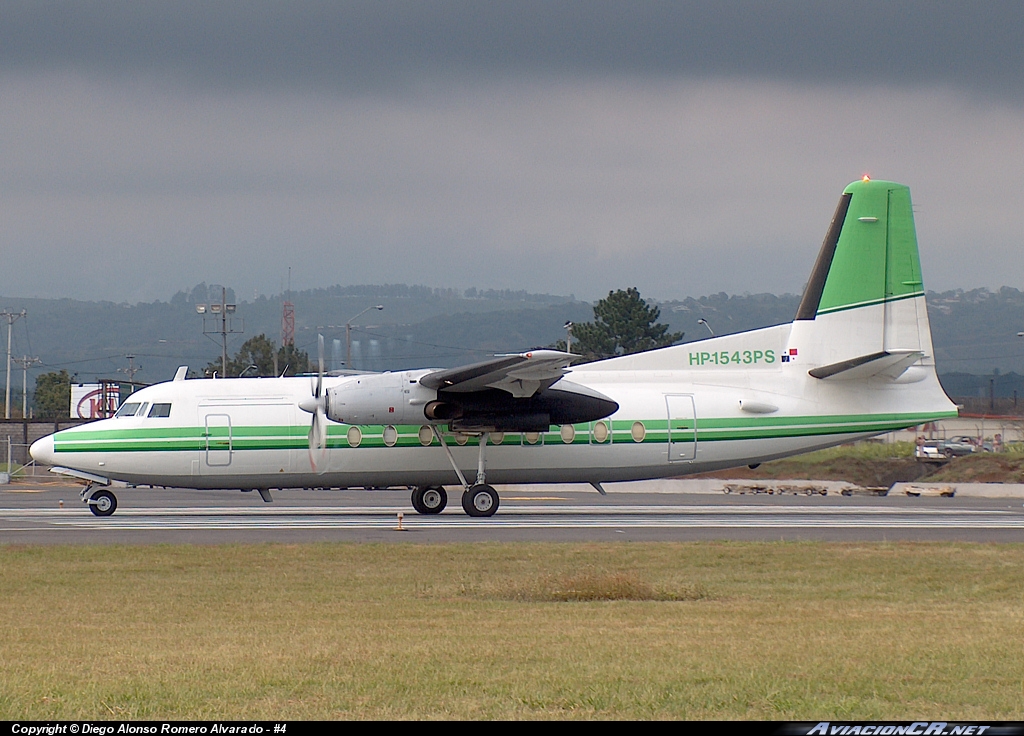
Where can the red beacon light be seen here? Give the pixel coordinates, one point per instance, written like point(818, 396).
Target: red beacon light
point(866, 178)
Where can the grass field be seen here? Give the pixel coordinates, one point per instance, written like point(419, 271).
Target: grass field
point(697, 631)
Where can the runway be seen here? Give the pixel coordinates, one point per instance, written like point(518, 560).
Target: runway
point(170, 516)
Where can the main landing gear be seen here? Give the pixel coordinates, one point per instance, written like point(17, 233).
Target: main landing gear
point(429, 500)
point(478, 500)
point(101, 502)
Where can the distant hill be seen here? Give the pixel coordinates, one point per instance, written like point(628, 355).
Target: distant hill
point(974, 331)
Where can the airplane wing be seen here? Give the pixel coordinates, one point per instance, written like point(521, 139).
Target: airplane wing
point(521, 375)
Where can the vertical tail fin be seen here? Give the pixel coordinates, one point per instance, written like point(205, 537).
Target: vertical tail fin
point(865, 295)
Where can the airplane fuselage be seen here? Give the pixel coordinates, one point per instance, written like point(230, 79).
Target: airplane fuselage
point(739, 403)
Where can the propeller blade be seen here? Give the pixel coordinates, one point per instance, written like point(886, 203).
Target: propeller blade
point(317, 406)
point(320, 372)
point(318, 441)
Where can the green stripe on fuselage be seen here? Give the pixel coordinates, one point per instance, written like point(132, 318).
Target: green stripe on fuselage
point(178, 439)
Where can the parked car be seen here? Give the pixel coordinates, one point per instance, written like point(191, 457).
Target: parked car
point(960, 445)
point(956, 446)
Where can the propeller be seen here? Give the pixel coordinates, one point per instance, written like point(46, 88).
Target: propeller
point(316, 405)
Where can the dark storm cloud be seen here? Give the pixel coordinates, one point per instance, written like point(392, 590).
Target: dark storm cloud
point(379, 46)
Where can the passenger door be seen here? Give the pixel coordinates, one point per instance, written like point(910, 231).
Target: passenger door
point(682, 427)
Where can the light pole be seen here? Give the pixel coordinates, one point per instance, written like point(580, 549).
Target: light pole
point(568, 337)
point(227, 326)
point(704, 322)
point(348, 335)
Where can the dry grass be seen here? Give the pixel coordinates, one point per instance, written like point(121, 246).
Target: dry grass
point(709, 630)
point(591, 585)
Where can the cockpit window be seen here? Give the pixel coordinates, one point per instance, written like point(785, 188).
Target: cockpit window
point(160, 410)
point(128, 410)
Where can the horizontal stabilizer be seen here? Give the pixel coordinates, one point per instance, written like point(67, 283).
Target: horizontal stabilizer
point(888, 363)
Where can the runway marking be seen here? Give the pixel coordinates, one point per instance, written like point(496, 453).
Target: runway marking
point(508, 509)
point(534, 498)
point(519, 517)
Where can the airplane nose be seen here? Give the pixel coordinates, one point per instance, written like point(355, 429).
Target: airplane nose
point(42, 451)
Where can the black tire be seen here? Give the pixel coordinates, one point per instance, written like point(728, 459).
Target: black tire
point(429, 500)
point(103, 503)
point(434, 499)
point(480, 501)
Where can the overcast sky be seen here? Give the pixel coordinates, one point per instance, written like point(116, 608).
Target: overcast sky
point(683, 148)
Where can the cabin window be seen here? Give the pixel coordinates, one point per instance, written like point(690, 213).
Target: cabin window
point(390, 436)
point(128, 410)
point(354, 436)
point(601, 432)
point(568, 433)
point(426, 435)
point(639, 431)
point(160, 410)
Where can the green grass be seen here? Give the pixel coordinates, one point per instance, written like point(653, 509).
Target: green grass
point(720, 630)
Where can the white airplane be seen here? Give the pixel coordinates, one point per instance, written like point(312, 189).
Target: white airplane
point(857, 361)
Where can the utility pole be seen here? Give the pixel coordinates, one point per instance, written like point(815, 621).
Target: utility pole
point(348, 335)
point(25, 362)
point(10, 317)
point(130, 371)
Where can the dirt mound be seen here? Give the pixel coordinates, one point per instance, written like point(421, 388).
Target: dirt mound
point(859, 470)
point(877, 472)
point(983, 467)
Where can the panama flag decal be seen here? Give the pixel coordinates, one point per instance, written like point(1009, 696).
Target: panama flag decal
point(789, 356)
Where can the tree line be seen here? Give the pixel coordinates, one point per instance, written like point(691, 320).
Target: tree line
point(623, 323)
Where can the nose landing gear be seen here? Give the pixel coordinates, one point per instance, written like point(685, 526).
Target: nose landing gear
point(101, 502)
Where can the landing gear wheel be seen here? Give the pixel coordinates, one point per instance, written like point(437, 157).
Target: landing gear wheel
point(103, 503)
point(480, 500)
point(430, 500)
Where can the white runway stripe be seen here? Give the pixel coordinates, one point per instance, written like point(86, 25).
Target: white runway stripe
point(522, 517)
point(506, 509)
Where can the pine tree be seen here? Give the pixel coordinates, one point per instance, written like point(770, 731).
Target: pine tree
point(260, 352)
point(623, 324)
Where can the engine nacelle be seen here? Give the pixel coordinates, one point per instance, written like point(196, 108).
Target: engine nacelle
point(381, 398)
